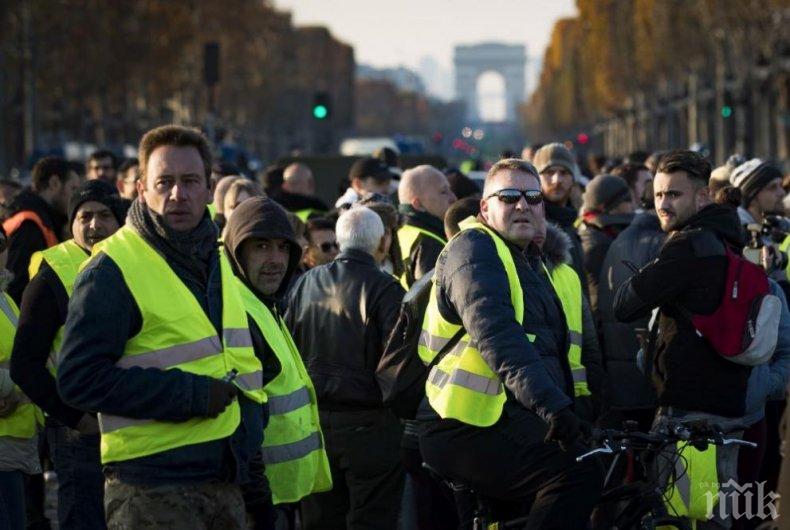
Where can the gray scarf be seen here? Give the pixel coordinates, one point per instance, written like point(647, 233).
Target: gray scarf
point(189, 252)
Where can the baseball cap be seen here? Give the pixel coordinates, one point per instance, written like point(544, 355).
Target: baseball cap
point(370, 167)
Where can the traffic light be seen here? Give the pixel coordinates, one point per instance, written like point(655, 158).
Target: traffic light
point(726, 111)
point(321, 106)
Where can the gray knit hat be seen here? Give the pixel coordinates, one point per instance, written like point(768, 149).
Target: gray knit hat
point(604, 192)
point(555, 154)
point(752, 176)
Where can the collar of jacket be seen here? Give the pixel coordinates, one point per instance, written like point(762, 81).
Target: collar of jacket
point(422, 220)
point(646, 221)
point(353, 254)
point(564, 216)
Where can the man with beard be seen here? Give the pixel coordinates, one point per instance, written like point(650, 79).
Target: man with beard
point(95, 213)
point(157, 342)
point(557, 172)
point(37, 217)
point(688, 278)
point(102, 165)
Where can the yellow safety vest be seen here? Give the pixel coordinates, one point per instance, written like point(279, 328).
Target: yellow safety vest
point(407, 237)
point(65, 260)
point(212, 210)
point(785, 247)
point(26, 419)
point(293, 445)
point(694, 482)
point(568, 287)
point(462, 386)
point(305, 214)
point(176, 334)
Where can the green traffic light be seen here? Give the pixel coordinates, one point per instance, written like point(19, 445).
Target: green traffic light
point(320, 112)
point(726, 111)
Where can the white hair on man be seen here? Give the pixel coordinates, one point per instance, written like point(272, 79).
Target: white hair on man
point(359, 228)
point(414, 181)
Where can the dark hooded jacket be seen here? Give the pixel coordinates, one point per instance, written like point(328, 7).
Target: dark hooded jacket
point(556, 251)
point(688, 278)
point(261, 218)
point(640, 243)
point(341, 315)
point(28, 238)
point(597, 232)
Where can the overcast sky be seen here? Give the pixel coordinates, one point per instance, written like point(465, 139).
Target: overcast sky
point(404, 32)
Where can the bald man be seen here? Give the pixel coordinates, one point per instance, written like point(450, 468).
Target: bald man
point(424, 195)
point(298, 192)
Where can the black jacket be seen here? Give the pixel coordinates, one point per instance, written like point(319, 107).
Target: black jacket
point(294, 201)
point(42, 313)
point(473, 290)
point(425, 251)
point(28, 238)
point(688, 277)
point(340, 315)
point(640, 243)
point(597, 233)
point(97, 329)
point(556, 251)
point(565, 217)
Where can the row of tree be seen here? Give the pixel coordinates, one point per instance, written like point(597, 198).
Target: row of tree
point(102, 72)
point(615, 49)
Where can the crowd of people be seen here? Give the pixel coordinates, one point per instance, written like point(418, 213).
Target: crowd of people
point(186, 347)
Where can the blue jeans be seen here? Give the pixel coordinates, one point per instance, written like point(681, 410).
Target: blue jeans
point(80, 478)
point(12, 500)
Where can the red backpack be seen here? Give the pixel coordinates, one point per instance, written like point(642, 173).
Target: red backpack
point(744, 327)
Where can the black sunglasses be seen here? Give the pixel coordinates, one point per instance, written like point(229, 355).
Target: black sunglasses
point(329, 245)
point(512, 196)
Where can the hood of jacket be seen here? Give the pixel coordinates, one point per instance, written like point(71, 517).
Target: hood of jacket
point(262, 218)
point(720, 219)
point(556, 246)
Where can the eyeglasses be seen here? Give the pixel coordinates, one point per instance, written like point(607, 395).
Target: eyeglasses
point(513, 195)
point(328, 246)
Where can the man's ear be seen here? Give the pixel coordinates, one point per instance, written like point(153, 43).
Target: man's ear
point(416, 204)
point(141, 188)
point(56, 185)
point(703, 196)
point(484, 209)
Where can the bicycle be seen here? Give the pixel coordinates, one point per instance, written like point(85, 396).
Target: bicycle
point(642, 503)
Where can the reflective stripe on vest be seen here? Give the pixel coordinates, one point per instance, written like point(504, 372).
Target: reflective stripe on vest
point(407, 238)
point(785, 247)
point(293, 448)
point(568, 287)
point(462, 386)
point(13, 223)
point(26, 418)
point(65, 260)
point(176, 334)
point(694, 481)
point(305, 214)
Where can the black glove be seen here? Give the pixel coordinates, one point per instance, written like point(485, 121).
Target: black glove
point(564, 428)
point(220, 395)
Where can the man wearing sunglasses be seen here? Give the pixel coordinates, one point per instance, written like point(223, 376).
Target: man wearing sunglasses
point(497, 414)
point(322, 243)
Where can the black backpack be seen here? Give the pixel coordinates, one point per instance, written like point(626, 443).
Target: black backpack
point(401, 374)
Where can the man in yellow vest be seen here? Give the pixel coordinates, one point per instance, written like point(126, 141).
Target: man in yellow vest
point(424, 195)
point(498, 412)
point(265, 253)
point(157, 342)
point(19, 419)
point(95, 213)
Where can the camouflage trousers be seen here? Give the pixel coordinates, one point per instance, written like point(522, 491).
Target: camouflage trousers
point(189, 507)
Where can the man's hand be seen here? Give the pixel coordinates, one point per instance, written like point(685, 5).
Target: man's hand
point(564, 428)
point(220, 395)
point(9, 404)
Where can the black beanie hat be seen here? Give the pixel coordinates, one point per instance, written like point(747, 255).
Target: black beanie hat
point(101, 192)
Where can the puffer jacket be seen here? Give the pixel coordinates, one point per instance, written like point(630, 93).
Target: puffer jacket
point(629, 388)
point(473, 291)
point(556, 251)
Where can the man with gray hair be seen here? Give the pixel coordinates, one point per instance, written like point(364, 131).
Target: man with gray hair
point(424, 195)
point(340, 315)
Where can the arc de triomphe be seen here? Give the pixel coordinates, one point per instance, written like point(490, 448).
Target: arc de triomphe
point(471, 61)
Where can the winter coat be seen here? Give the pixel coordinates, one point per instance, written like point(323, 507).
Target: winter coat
point(565, 217)
point(629, 388)
point(340, 316)
point(597, 232)
point(688, 277)
point(556, 251)
point(423, 254)
point(472, 290)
